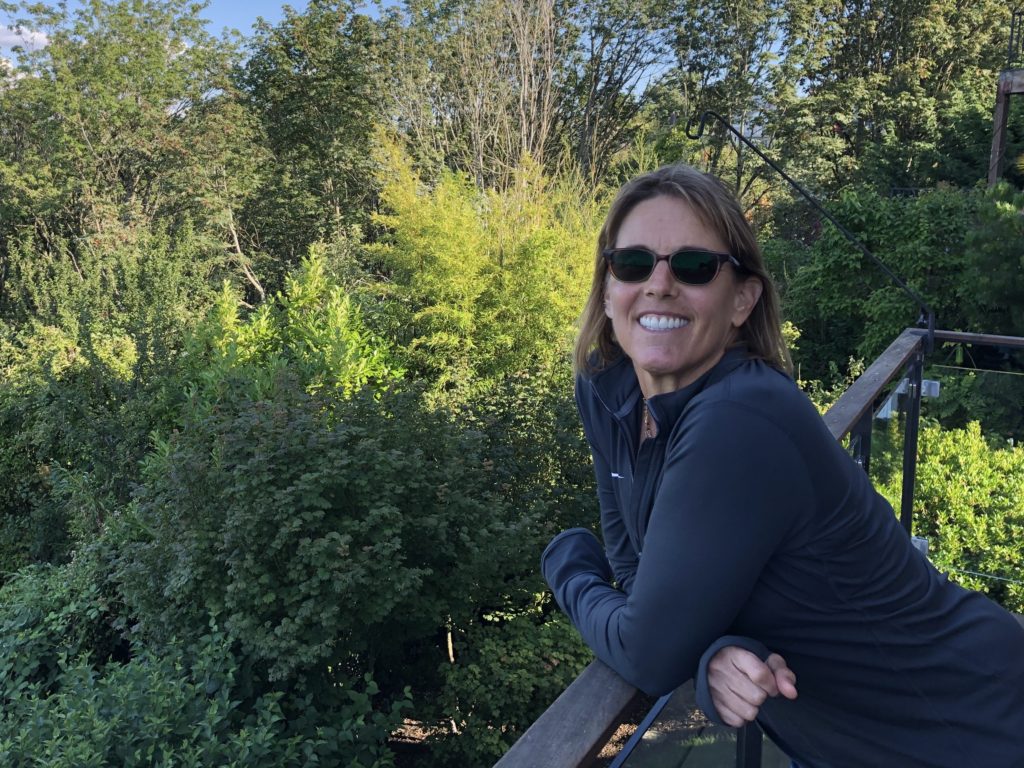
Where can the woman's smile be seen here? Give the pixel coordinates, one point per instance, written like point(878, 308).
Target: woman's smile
point(653, 322)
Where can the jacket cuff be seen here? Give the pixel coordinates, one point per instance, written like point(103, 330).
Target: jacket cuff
point(571, 553)
point(703, 691)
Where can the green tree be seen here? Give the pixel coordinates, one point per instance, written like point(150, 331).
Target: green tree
point(486, 86)
point(895, 91)
point(996, 275)
point(844, 305)
point(317, 83)
point(112, 128)
point(479, 85)
point(618, 49)
point(83, 357)
point(730, 59)
point(124, 155)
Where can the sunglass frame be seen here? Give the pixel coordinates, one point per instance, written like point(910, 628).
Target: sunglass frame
point(720, 258)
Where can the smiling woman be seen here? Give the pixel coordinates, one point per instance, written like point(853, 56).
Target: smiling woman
point(742, 544)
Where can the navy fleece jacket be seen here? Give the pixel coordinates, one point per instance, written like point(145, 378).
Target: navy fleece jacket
point(744, 517)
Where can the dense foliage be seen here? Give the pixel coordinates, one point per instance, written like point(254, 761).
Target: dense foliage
point(285, 397)
point(967, 504)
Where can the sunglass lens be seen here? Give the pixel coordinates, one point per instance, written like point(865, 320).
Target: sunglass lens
point(694, 267)
point(632, 266)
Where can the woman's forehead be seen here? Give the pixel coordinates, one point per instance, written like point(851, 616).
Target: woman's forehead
point(667, 222)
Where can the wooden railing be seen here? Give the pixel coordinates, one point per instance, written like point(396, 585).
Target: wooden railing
point(574, 729)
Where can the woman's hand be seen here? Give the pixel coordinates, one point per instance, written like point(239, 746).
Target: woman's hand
point(740, 682)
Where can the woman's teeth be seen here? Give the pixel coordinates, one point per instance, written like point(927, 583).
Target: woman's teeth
point(662, 322)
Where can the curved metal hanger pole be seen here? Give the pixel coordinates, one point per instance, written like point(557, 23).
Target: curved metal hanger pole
point(927, 317)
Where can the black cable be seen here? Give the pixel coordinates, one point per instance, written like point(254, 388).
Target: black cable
point(927, 317)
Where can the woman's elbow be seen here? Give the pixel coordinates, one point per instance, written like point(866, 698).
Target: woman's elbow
point(655, 672)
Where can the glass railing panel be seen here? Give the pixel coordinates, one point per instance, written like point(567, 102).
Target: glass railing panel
point(681, 737)
point(972, 512)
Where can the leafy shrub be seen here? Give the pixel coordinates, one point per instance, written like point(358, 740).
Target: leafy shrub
point(72, 695)
point(320, 532)
point(149, 711)
point(84, 339)
point(967, 503)
point(49, 614)
point(507, 671)
point(519, 652)
point(163, 709)
point(541, 462)
point(337, 530)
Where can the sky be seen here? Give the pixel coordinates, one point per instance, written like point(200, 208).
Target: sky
point(234, 14)
point(242, 15)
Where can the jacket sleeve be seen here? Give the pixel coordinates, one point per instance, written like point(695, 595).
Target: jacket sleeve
point(734, 484)
point(618, 548)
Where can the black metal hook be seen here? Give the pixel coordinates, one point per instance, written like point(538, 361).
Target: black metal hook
point(701, 121)
point(927, 316)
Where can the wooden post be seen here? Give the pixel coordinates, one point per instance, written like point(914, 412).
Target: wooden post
point(1011, 81)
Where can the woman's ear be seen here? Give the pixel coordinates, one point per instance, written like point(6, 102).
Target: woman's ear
point(748, 292)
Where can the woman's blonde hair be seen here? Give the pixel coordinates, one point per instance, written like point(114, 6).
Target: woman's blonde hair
point(716, 206)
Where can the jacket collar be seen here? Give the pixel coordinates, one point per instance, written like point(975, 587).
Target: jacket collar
point(618, 390)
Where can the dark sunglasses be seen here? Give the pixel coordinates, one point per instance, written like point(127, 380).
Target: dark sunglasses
point(690, 265)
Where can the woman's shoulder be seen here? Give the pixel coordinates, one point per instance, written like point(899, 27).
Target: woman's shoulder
point(758, 392)
point(755, 382)
point(604, 397)
point(609, 388)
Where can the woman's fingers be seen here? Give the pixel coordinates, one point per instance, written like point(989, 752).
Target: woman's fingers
point(733, 719)
point(785, 678)
point(760, 674)
point(740, 682)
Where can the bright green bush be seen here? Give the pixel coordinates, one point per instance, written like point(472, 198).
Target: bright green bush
point(312, 329)
point(967, 502)
point(481, 284)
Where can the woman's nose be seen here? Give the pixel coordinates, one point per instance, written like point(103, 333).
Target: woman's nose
point(661, 282)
